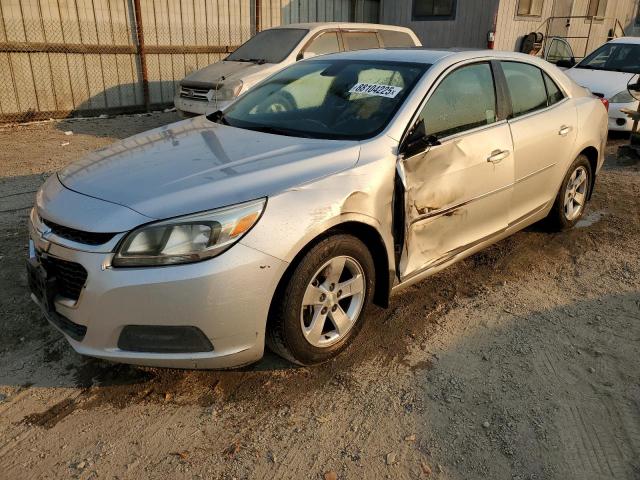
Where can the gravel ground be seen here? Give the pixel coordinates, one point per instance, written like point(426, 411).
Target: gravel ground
point(522, 362)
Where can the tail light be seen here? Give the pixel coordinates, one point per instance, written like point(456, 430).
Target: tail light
point(605, 102)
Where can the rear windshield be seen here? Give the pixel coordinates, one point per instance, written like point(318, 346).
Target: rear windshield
point(269, 46)
point(615, 57)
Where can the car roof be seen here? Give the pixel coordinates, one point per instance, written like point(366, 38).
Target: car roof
point(344, 25)
point(634, 40)
point(431, 56)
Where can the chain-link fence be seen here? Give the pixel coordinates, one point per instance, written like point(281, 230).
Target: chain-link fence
point(60, 58)
point(53, 69)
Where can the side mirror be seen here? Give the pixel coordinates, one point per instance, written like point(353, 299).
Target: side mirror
point(306, 54)
point(417, 141)
point(566, 63)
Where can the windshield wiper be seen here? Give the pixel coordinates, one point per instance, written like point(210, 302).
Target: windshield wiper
point(258, 61)
point(589, 67)
point(280, 131)
point(605, 69)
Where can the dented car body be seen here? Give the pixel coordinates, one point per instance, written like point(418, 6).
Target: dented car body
point(432, 177)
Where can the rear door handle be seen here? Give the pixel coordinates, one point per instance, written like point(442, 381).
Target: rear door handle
point(498, 155)
point(564, 130)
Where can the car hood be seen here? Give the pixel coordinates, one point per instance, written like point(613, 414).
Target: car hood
point(600, 81)
point(197, 165)
point(224, 71)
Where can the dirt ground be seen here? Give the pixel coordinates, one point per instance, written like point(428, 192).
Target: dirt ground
point(522, 362)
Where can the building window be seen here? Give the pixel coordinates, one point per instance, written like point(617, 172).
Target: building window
point(434, 9)
point(597, 8)
point(530, 8)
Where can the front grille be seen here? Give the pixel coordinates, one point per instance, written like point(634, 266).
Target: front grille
point(195, 93)
point(70, 276)
point(88, 238)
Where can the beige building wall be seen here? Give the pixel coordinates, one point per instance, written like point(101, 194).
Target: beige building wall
point(473, 20)
point(510, 28)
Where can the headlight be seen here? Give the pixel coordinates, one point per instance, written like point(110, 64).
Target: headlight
point(188, 239)
point(228, 90)
point(622, 97)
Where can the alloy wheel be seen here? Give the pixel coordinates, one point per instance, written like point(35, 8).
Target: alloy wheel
point(333, 301)
point(575, 194)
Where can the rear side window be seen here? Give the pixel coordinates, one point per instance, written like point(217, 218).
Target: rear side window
point(360, 40)
point(324, 43)
point(554, 94)
point(392, 38)
point(465, 99)
point(526, 87)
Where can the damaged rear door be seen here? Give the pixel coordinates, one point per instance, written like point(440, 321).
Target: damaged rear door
point(456, 169)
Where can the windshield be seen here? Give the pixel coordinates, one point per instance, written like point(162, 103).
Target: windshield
point(269, 46)
point(330, 99)
point(616, 57)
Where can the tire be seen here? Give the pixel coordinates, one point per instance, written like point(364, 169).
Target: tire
point(562, 217)
point(310, 323)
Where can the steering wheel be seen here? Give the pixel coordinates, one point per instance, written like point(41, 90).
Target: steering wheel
point(350, 114)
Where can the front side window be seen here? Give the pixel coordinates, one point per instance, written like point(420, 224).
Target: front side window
point(465, 99)
point(360, 40)
point(526, 87)
point(597, 8)
point(615, 57)
point(434, 9)
point(324, 43)
point(331, 99)
point(530, 8)
point(269, 46)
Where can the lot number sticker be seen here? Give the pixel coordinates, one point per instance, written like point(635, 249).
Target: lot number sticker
point(374, 89)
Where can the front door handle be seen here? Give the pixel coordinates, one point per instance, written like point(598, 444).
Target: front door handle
point(564, 130)
point(498, 155)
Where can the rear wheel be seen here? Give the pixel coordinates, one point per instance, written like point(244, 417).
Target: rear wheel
point(571, 200)
point(321, 308)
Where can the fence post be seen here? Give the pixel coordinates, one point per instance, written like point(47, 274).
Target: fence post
point(141, 53)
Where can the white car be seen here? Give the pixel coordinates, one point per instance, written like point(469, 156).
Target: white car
point(217, 85)
point(607, 72)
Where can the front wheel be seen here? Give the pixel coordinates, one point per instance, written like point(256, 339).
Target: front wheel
point(571, 200)
point(321, 307)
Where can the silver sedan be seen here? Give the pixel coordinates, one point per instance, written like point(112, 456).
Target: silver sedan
point(195, 244)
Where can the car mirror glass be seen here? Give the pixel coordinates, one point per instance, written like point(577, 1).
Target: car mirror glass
point(418, 140)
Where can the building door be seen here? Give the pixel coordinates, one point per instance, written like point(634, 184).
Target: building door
point(559, 27)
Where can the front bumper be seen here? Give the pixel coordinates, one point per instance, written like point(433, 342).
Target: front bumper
point(227, 298)
point(619, 121)
point(199, 107)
